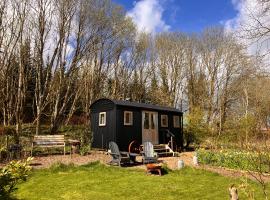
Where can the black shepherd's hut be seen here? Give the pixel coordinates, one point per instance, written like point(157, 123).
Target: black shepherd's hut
point(126, 121)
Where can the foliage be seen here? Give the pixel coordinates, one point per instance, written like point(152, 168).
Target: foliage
point(82, 133)
point(7, 130)
point(84, 150)
point(12, 174)
point(3, 153)
point(240, 130)
point(97, 181)
point(195, 128)
point(165, 169)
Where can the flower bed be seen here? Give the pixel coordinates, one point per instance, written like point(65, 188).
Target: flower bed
point(236, 159)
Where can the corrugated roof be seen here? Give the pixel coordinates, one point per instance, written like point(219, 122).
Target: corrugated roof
point(144, 105)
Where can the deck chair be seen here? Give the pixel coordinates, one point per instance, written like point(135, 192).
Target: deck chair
point(118, 157)
point(149, 156)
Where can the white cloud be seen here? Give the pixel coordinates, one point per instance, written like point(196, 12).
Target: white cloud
point(147, 15)
point(248, 28)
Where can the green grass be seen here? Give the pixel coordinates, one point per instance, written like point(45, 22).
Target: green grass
point(98, 182)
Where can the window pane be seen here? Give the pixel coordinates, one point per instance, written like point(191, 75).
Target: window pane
point(127, 118)
point(152, 121)
point(176, 121)
point(146, 121)
point(102, 119)
point(164, 121)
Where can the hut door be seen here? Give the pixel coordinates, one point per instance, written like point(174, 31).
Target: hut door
point(150, 127)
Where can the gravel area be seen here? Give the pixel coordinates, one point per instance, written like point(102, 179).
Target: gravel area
point(171, 162)
point(47, 161)
point(103, 157)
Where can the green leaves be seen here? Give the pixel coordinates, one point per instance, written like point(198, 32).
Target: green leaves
point(12, 174)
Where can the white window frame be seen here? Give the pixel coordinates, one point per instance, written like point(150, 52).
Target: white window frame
point(99, 119)
point(161, 121)
point(174, 121)
point(131, 118)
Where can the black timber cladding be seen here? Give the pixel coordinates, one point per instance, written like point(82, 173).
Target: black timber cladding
point(115, 130)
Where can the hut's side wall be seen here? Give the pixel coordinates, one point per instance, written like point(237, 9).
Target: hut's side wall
point(178, 132)
point(102, 135)
point(127, 133)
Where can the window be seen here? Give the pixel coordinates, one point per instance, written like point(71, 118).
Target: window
point(176, 121)
point(164, 120)
point(102, 119)
point(128, 118)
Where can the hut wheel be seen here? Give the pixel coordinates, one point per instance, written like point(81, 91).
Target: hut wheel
point(134, 147)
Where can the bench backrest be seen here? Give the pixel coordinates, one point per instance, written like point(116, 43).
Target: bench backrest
point(148, 149)
point(49, 139)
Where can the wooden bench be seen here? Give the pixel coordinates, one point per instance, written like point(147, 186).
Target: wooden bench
point(48, 141)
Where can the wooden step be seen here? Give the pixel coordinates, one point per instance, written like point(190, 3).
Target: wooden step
point(162, 150)
point(164, 154)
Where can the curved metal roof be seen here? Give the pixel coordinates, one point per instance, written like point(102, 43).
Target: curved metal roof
point(141, 105)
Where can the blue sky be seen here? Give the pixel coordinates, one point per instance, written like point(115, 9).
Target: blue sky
point(179, 15)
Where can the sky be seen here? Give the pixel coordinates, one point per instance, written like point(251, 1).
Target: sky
point(193, 16)
point(180, 15)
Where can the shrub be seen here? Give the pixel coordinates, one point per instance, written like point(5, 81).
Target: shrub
point(12, 174)
point(82, 133)
point(165, 169)
point(84, 150)
point(3, 153)
point(241, 130)
point(8, 130)
point(196, 128)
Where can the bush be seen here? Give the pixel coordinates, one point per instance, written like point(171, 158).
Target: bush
point(3, 153)
point(196, 128)
point(8, 130)
point(12, 174)
point(84, 150)
point(81, 133)
point(241, 130)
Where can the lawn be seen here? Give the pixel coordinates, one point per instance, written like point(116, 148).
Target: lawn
point(96, 181)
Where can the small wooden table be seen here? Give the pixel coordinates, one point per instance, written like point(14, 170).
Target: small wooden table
point(74, 145)
point(153, 168)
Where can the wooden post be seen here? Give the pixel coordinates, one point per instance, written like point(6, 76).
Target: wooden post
point(64, 149)
point(233, 193)
point(172, 143)
point(7, 142)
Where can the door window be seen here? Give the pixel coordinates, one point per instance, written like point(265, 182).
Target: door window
point(152, 121)
point(146, 121)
